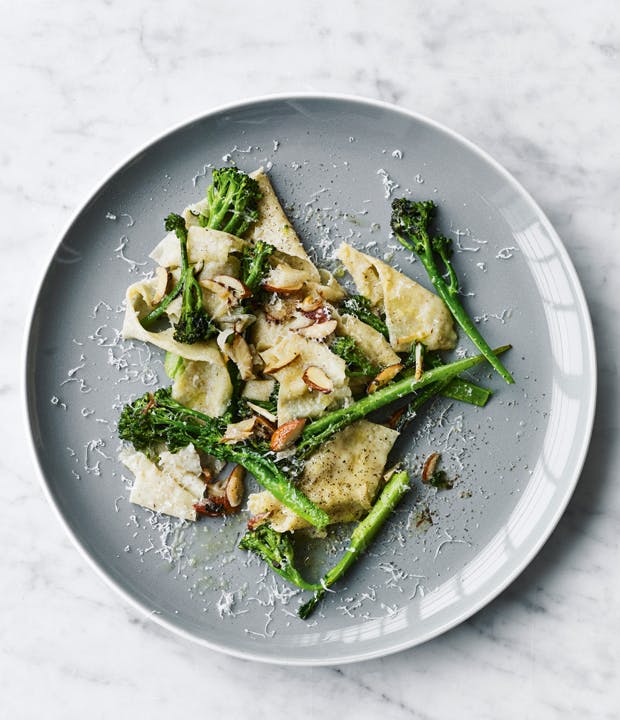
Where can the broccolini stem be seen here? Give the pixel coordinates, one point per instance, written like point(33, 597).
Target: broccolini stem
point(157, 418)
point(459, 388)
point(269, 476)
point(362, 536)
point(322, 428)
point(462, 318)
point(155, 314)
point(410, 222)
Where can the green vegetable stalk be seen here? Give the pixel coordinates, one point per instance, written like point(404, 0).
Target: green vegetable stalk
point(324, 427)
point(194, 324)
point(358, 365)
point(362, 536)
point(410, 222)
point(255, 264)
point(233, 200)
point(156, 418)
point(360, 307)
point(277, 551)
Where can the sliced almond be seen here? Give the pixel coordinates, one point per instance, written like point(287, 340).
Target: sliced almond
point(162, 280)
point(319, 315)
point(283, 279)
point(215, 287)
point(207, 474)
point(384, 377)
point(316, 379)
point(235, 487)
point(243, 321)
point(311, 303)
point(430, 466)
point(396, 417)
point(319, 331)
point(273, 362)
point(239, 352)
point(283, 290)
point(264, 428)
point(257, 520)
point(262, 412)
point(239, 289)
point(237, 432)
point(299, 322)
point(419, 361)
point(287, 434)
point(224, 341)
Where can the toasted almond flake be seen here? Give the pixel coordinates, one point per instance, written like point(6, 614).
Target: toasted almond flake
point(283, 279)
point(430, 466)
point(257, 520)
point(311, 303)
point(319, 315)
point(285, 289)
point(300, 321)
point(282, 360)
point(262, 412)
point(395, 417)
point(264, 428)
point(242, 322)
point(316, 379)
point(235, 487)
point(419, 361)
point(237, 432)
point(162, 280)
point(207, 475)
point(287, 434)
point(216, 288)
point(224, 341)
point(239, 352)
point(320, 330)
point(384, 377)
point(239, 289)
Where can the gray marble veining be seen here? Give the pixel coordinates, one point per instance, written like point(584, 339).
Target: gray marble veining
point(535, 84)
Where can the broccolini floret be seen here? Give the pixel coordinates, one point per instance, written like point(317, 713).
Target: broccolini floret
point(255, 264)
point(232, 207)
point(358, 365)
point(232, 202)
point(360, 307)
point(276, 550)
point(194, 324)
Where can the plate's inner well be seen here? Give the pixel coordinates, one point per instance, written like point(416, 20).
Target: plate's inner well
point(335, 165)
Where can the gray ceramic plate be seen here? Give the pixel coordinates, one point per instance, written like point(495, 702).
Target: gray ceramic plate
point(333, 161)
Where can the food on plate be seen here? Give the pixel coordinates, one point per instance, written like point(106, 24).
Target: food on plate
point(275, 368)
point(410, 223)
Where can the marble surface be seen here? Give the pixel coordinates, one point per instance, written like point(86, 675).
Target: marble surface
point(535, 84)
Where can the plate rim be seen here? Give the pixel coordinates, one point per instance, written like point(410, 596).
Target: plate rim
point(590, 352)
